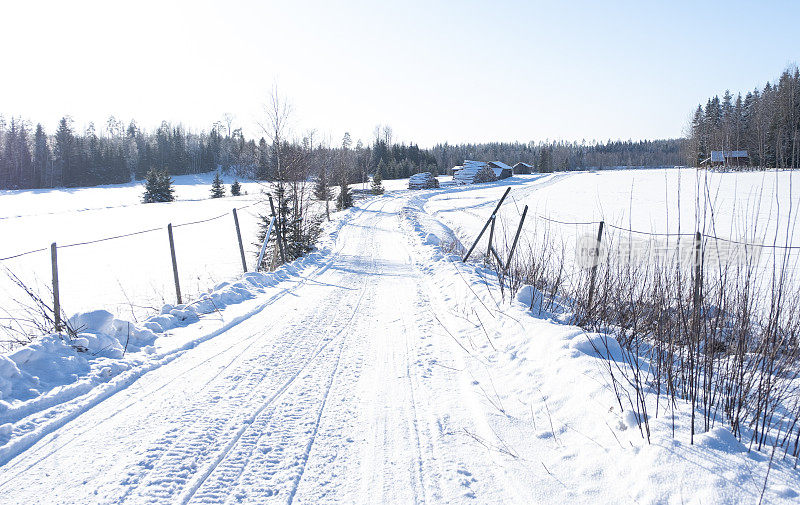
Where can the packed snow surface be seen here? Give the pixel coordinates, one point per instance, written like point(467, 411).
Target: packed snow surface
point(378, 369)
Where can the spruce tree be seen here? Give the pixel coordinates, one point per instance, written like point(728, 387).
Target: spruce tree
point(41, 159)
point(345, 198)
point(377, 184)
point(64, 154)
point(382, 169)
point(217, 188)
point(236, 188)
point(158, 187)
point(321, 190)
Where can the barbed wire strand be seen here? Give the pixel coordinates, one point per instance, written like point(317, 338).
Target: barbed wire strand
point(115, 237)
point(23, 254)
point(200, 221)
point(655, 234)
point(110, 238)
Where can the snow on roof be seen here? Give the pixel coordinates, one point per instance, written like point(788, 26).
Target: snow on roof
point(719, 156)
point(468, 173)
point(523, 164)
point(422, 180)
point(500, 165)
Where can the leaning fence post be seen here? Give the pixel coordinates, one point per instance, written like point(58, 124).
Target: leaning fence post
point(466, 257)
point(239, 236)
point(174, 264)
point(278, 234)
point(516, 237)
point(596, 260)
point(264, 245)
point(491, 237)
point(56, 298)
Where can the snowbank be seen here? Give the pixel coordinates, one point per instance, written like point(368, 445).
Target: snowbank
point(552, 419)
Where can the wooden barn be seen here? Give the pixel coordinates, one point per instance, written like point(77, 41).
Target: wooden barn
point(501, 170)
point(727, 159)
point(475, 172)
point(522, 168)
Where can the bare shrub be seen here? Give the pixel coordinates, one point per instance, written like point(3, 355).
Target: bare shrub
point(720, 336)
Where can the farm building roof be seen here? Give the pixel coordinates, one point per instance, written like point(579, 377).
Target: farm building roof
point(720, 156)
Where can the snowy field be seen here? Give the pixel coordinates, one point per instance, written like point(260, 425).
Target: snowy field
point(746, 206)
point(759, 208)
point(130, 276)
point(378, 369)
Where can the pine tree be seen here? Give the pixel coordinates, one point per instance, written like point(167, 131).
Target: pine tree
point(158, 187)
point(236, 188)
point(377, 183)
point(217, 188)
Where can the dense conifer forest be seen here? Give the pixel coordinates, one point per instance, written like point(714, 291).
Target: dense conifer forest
point(31, 157)
point(765, 123)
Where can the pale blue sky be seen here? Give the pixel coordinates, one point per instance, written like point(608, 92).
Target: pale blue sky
point(434, 71)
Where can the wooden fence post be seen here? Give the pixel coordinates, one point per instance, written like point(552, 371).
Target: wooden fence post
point(593, 275)
point(698, 280)
point(491, 237)
point(174, 264)
point(488, 221)
point(278, 234)
point(239, 236)
point(516, 237)
point(56, 297)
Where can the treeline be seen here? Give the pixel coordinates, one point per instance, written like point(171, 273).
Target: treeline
point(563, 156)
point(764, 122)
point(30, 158)
point(398, 161)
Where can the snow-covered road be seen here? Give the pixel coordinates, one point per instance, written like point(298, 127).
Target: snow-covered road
point(343, 390)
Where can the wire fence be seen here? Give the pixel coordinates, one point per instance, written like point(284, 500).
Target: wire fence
point(594, 240)
point(125, 235)
point(665, 234)
point(133, 278)
point(607, 224)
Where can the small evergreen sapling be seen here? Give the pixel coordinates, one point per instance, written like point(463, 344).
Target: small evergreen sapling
point(377, 184)
point(236, 188)
point(158, 187)
point(217, 188)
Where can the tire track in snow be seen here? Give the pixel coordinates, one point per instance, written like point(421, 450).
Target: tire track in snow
point(250, 444)
point(281, 419)
point(230, 463)
point(214, 425)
